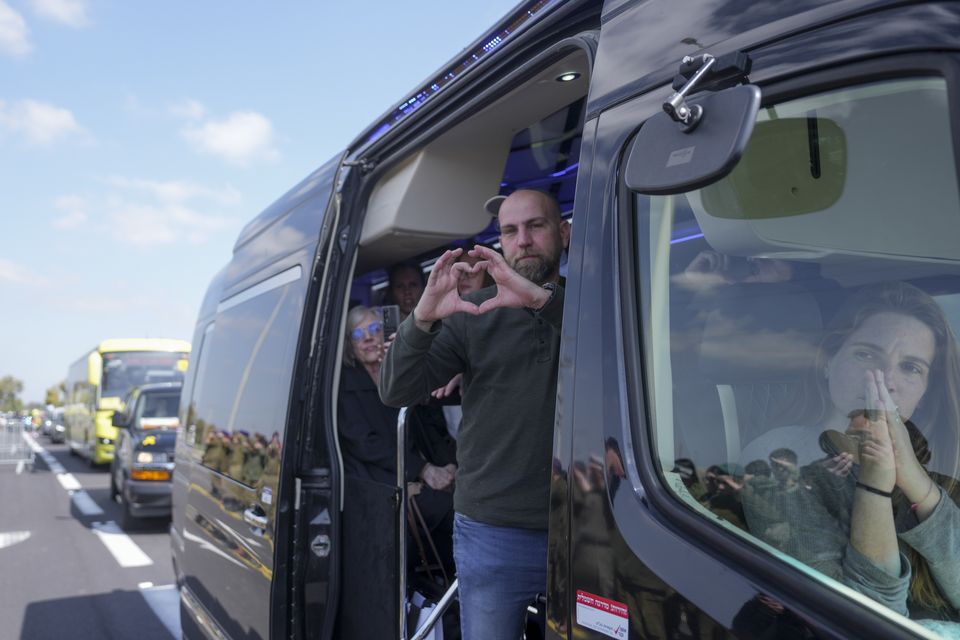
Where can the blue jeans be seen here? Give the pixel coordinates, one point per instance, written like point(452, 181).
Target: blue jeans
point(501, 570)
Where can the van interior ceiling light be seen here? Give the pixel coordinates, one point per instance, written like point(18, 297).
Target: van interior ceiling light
point(568, 76)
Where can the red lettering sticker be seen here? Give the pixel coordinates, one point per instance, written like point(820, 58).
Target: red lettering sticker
point(609, 617)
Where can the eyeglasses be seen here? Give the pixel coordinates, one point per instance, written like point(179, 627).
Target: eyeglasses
point(371, 330)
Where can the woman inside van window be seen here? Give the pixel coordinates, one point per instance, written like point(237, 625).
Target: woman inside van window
point(879, 510)
point(368, 433)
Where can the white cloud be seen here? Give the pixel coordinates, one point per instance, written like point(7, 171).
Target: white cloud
point(38, 122)
point(74, 210)
point(13, 273)
point(147, 213)
point(72, 13)
point(150, 213)
point(176, 191)
point(241, 138)
point(147, 224)
point(14, 34)
point(188, 109)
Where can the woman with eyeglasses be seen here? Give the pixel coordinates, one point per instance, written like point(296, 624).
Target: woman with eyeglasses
point(368, 432)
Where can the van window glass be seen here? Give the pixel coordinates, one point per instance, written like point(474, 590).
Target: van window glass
point(545, 155)
point(241, 409)
point(195, 376)
point(798, 320)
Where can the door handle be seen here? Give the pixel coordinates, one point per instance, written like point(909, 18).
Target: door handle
point(254, 520)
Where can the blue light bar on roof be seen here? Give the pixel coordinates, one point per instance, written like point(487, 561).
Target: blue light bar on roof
point(437, 84)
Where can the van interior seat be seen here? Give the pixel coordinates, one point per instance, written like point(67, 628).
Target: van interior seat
point(756, 342)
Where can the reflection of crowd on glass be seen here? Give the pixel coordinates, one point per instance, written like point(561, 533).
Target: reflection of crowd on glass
point(247, 457)
point(862, 485)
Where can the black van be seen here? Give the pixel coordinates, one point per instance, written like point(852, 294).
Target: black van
point(757, 190)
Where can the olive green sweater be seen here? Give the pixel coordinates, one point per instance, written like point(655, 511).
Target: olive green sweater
point(508, 358)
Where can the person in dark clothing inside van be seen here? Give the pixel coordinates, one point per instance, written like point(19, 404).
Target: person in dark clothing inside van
point(368, 434)
point(405, 286)
point(505, 340)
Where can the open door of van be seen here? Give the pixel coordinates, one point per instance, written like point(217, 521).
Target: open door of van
point(242, 456)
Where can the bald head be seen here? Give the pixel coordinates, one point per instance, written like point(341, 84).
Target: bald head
point(533, 235)
point(528, 198)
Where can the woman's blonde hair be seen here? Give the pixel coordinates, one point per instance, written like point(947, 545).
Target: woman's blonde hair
point(354, 315)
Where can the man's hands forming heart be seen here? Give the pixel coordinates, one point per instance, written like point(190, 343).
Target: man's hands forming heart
point(440, 298)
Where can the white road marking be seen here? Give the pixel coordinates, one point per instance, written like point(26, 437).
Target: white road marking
point(122, 546)
point(28, 438)
point(165, 602)
point(53, 464)
point(10, 538)
point(144, 585)
point(48, 459)
point(32, 443)
point(68, 482)
point(55, 467)
point(85, 504)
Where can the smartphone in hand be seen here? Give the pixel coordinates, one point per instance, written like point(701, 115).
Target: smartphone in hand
point(391, 320)
point(834, 443)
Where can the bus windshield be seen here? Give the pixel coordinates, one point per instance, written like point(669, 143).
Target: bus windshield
point(123, 370)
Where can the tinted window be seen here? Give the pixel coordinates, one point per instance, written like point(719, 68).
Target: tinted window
point(194, 380)
point(124, 370)
point(241, 398)
point(797, 317)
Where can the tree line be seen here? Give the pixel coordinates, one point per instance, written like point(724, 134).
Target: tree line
point(11, 388)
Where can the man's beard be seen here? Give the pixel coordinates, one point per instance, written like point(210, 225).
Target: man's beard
point(536, 269)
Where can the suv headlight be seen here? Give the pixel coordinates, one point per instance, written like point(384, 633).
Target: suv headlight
point(150, 457)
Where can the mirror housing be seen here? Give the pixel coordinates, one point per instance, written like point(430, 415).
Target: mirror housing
point(668, 157)
point(120, 420)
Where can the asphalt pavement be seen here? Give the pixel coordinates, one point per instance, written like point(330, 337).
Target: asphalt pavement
point(67, 570)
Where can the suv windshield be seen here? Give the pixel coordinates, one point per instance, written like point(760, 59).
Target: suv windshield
point(158, 405)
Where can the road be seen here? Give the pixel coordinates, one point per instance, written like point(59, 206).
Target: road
point(66, 568)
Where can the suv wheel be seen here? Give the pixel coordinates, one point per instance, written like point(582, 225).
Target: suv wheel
point(114, 491)
point(128, 521)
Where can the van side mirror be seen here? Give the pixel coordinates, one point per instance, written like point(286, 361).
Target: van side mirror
point(669, 157)
point(120, 420)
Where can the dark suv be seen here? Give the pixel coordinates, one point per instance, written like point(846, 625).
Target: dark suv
point(142, 468)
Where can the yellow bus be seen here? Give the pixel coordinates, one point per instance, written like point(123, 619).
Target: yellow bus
point(98, 382)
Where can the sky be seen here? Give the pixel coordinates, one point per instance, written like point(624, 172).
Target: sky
point(137, 138)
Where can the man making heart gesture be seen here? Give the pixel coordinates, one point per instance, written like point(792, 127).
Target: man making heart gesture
point(505, 340)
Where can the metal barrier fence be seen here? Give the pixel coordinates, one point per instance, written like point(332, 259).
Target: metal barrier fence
point(14, 447)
